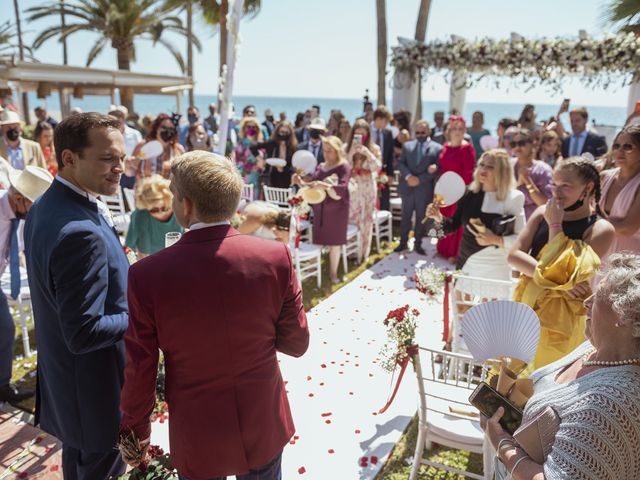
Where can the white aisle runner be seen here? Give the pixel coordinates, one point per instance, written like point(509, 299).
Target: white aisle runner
point(337, 386)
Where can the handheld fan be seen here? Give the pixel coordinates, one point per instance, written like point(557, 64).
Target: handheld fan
point(305, 161)
point(501, 328)
point(449, 189)
point(276, 162)
point(152, 149)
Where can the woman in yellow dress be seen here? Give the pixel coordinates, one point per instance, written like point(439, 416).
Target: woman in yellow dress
point(558, 252)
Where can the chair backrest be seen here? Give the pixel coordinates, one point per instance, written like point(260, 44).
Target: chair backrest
point(278, 196)
point(393, 184)
point(478, 289)
point(130, 197)
point(247, 192)
point(115, 203)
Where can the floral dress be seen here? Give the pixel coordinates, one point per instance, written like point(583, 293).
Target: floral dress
point(363, 195)
point(246, 162)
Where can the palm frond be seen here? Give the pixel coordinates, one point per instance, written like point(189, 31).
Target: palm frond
point(96, 50)
point(624, 14)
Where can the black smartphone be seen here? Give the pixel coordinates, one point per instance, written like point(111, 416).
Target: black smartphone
point(488, 400)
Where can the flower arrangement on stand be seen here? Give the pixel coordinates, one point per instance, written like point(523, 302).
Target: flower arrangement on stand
point(299, 206)
point(401, 325)
point(382, 180)
point(432, 281)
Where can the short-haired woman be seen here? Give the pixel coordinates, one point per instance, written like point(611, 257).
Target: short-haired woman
point(595, 391)
point(558, 253)
point(153, 217)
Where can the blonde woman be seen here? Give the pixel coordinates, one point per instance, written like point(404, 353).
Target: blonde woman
point(153, 217)
point(248, 160)
point(492, 214)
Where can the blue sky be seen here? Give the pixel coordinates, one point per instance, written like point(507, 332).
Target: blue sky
point(327, 48)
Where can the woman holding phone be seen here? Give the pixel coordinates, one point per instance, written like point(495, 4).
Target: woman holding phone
point(364, 157)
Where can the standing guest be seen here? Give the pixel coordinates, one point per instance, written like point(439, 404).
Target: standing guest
point(333, 127)
point(132, 138)
point(249, 111)
point(438, 124)
point(418, 166)
point(533, 176)
point(283, 116)
point(364, 159)
point(503, 125)
point(19, 151)
point(402, 119)
point(550, 151)
point(164, 131)
point(528, 118)
point(283, 144)
point(367, 113)
point(78, 290)
point(477, 131)
point(43, 116)
point(220, 353)
point(24, 187)
point(43, 135)
point(147, 125)
point(316, 129)
point(269, 123)
point(193, 116)
point(248, 160)
point(153, 217)
point(133, 121)
point(198, 138)
point(213, 119)
point(457, 156)
point(558, 253)
point(344, 130)
point(331, 217)
point(299, 123)
point(581, 140)
point(383, 138)
point(620, 186)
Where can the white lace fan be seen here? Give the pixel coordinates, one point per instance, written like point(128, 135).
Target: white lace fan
point(501, 328)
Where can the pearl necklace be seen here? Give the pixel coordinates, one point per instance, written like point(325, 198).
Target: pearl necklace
point(607, 363)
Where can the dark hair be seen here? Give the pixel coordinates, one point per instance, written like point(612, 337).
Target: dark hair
point(587, 171)
point(382, 112)
point(523, 117)
point(317, 107)
point(72, 133)
point(193, 128)
point(507, 122)
point(299, 119)
point(41, 127)
point(403, 119)
point(523, 132)
point(155, 126)
point(633, 130)
point(581, 111)
point(247, 107)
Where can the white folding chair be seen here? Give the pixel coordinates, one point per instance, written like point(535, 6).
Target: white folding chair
point(306, 257)
point(382, 226)
point(278, 196)
point(352, 247)
point(130, 197)
point(445, 416)
point(121, 218)
point(247, 192)
point(20, 308)
point(395, 201)
point(468, 291)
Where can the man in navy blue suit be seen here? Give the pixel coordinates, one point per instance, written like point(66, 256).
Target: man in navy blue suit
point(77, 276)
point(418, 166)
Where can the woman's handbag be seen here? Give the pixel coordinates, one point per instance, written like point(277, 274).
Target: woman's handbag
point(504, 225)
point(536, 436)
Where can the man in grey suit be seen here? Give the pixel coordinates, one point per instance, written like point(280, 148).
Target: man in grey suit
point(418, 168)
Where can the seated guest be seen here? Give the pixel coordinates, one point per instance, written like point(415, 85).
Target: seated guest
point(229, 409)
point(581, 140)
point(557, 253)
point(153, 217)
point(594, 390)
point(266, 220)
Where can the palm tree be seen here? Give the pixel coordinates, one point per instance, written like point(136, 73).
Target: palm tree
point(381, 14)
point(625, 14)
point(120, 22)
point(421, 35)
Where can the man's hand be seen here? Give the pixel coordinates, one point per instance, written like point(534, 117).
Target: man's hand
point(413, 181)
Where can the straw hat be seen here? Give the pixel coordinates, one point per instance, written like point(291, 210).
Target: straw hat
point(31, 182)
point(318, 124)
point(8, 117)
point(312, 196)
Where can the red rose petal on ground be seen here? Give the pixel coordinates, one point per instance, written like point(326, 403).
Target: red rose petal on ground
point(308, 378)
point(364, 462)
point(371, 374)
point(331, 450)
point(301, 470)
point(292, 442)
point(311, 394)
point(327, 414)
point(333, 363)
point(322, 384)
point(357, 431)
point(55, 468)
point(323, 366)
point(296, 437)
point(350, 393)
point(374, 459)
point(340, 373)
point(327, 421)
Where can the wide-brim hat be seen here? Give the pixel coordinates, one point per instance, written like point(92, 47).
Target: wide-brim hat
point(8, 117)
point(317, 124)
point(31, 182)
point(312, 196)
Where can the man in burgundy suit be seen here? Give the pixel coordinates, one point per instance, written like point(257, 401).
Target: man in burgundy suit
point(219, 305)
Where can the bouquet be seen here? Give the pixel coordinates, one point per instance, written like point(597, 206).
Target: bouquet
point(156, 464)
point(401, 326)
point(382, 180)
point(431, 281)
point(299, 206)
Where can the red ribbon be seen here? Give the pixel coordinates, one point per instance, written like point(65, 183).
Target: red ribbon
point(411, 351)
point(298, 232)
point(445, 306)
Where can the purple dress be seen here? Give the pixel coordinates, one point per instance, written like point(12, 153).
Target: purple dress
point(540, 174)
point(330, 218)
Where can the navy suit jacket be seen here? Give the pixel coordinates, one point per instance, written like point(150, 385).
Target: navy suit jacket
point(409, 164)
point(387, 151)
point(78, 281)
point(593, 144)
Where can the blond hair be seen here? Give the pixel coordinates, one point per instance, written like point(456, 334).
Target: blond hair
point(336, 144)
point(502, 173)
point(210, 181)
point(251, 122)
point(150, 191)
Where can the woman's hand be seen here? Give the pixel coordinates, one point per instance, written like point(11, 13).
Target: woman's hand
point(581, 290)
point(494, 431)
point(296, 180)
point(433, 212)
point(554, 212)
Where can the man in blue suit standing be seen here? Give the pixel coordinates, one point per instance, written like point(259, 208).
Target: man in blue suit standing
point(418, 166)
point(77, 275)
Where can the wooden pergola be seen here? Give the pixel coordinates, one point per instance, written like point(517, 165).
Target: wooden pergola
point(43, 78)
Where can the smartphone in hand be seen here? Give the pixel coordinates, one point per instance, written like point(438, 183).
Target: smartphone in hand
point(357, 139)
point(488, 400)
point(564, 106)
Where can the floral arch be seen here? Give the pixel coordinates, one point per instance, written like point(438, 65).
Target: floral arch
point(598, 63)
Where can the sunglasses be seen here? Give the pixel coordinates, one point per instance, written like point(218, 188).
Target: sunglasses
point(626, 147)
point(519, 143)
point(159, 210)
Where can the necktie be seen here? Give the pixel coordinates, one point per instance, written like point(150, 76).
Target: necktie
point(315, 151)
point(379, 138)
point(574, 151)
point(14, 259)
point(420, 152)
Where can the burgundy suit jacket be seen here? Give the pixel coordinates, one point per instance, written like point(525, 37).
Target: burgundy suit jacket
point(219, 305)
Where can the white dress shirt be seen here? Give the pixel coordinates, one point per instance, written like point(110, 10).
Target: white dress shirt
point(132, 138)
point(199, 225)
point(102, 207)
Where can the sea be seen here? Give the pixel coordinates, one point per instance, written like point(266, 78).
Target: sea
point(350, 107)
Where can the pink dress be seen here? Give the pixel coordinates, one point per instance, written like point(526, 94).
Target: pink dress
point(621, 205)
point(461, 160)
